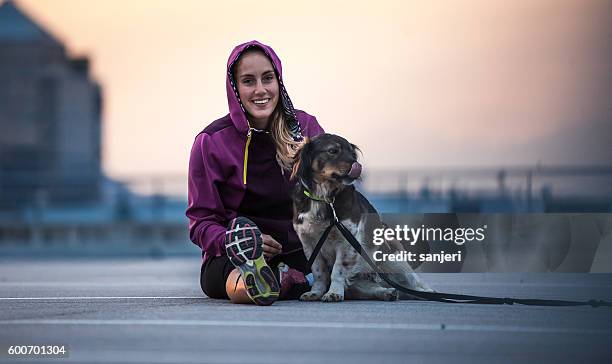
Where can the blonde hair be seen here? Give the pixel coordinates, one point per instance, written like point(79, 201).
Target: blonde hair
point(286, 147)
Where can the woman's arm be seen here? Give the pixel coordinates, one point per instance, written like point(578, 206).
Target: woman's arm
point(206, 213)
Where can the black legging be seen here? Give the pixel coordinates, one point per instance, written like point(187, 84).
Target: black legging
point(215, 271)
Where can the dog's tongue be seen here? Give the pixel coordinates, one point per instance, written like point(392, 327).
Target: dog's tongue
point(355, 171)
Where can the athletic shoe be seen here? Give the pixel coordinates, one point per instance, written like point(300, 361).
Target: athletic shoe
point(244, 247)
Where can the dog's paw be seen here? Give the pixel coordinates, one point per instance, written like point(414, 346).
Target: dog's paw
point(423, 287)
point(310, 296)
point(390, 294)
point(332, 297)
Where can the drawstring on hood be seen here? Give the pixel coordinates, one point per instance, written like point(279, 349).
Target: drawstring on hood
point(237, 111)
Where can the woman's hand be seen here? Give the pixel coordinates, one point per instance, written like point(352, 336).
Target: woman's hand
point(271, 247)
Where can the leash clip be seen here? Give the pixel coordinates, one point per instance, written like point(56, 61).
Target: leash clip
point(331, 205)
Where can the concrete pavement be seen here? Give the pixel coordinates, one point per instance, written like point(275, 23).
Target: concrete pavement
point(152, 311)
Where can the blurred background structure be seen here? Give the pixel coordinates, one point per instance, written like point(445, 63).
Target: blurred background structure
point(51, 118)
point(56, 197)
point(52, 188)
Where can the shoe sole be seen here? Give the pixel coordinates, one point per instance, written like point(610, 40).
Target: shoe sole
point(244, 248)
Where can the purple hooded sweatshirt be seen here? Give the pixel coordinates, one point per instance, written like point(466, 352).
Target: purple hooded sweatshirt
point(233, 171)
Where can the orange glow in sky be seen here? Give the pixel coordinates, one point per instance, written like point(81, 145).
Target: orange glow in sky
point(413, 83)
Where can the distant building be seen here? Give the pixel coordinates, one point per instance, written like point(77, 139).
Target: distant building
point(50, 118)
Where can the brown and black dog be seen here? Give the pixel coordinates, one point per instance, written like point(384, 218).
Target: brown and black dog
point(326, 168)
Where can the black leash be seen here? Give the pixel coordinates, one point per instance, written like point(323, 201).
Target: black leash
point(434, 296)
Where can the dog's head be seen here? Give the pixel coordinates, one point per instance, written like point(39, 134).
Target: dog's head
point(327, 160)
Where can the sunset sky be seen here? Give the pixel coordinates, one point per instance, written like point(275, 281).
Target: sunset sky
point(413, 83)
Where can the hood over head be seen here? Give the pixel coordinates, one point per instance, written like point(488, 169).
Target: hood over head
point(237, 112)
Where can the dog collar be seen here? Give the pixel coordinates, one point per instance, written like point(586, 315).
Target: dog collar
point(312, 196)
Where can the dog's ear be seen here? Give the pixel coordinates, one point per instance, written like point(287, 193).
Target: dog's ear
point(295, 164)
point(303, 160)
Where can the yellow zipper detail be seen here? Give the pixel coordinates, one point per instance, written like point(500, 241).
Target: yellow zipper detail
point(246, 156)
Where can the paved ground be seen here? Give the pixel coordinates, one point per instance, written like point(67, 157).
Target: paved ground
point(152, 311)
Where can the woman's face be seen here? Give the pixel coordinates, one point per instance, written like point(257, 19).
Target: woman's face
point(257, 87)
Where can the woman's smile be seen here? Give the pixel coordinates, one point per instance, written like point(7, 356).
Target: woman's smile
point(261, 102)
